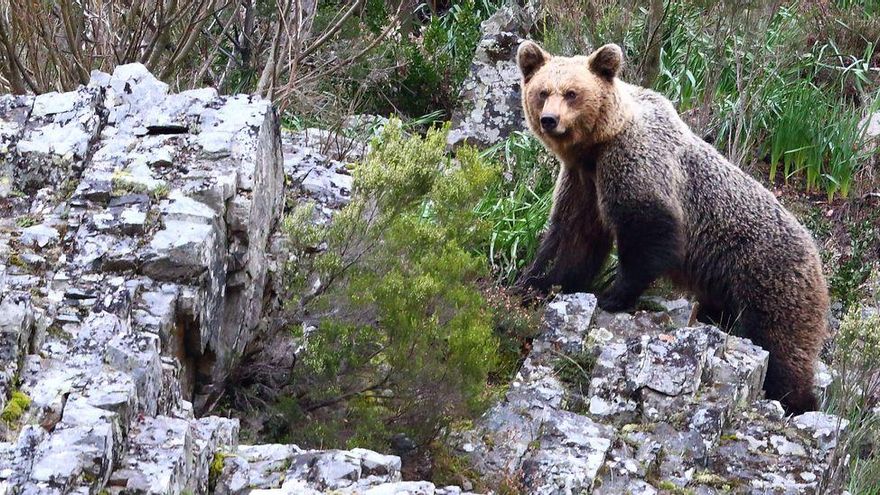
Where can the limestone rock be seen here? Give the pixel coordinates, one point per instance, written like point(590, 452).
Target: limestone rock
point(490, 107)
point(56, 138)
point(320, 178)
point(287, 469)
point(128, 285)
point(656, 405)
point(870, 125)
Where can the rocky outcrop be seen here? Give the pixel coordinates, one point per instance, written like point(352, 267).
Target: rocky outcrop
point(138, 244)
point(288, 470)
point(133, 262)
point(619, 403)
point(490, 108)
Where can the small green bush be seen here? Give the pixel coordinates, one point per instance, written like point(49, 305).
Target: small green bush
point(426, 63)
point(437, 62)
point(216, 468)
point(575, 371)
point(404, 340)
point(517, 325)
point(447, 468)
point(855, 462)
point(859, 338)
point(850, 272)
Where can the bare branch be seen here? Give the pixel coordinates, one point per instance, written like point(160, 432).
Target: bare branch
point(333, 29)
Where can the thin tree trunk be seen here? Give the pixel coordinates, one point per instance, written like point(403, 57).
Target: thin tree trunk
point(651, 65)
point(10, 69)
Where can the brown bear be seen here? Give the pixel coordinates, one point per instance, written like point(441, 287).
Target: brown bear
point(633, 173)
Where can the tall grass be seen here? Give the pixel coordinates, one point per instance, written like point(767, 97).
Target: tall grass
point(518, 205)
point(770, 96)
point(816, 134)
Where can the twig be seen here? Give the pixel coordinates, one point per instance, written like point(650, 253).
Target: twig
point(332, 31)
point(346, 396)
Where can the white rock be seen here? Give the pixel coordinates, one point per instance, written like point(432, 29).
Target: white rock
point(38, 235)
point(52, 103)
point(825, 428)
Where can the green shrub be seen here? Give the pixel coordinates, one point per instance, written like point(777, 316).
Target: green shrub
point(575, 371)
point(430, 60)
point(437, 63)
point(855, 462)
point(447, 468)
point(215, 469)
point(415, 69)
point(517, 325)
point(849, 272)
point(848, 237)
point(404, 341)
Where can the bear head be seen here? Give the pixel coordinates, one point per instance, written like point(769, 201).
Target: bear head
point(572, 101)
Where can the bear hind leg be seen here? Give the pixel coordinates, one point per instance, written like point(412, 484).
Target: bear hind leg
point(793, 349)
point(790, 381)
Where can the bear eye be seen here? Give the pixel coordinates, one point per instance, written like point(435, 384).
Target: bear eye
point(570, 95)
point(544, 94)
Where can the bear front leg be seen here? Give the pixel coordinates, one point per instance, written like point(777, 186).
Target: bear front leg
point(569, 260)
point(576, 244)
point(648, 245)
point(537, 276)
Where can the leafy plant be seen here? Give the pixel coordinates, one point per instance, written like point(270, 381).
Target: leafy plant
point(851, 271)
point(575, 370)
point(448, 468)
point(434, 60)
point(517, 325)
point(518, 205)
point(15, 407)
point(855, 462)
point(403, 339)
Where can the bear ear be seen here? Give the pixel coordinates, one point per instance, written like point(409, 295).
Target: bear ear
point(530, 57)
point(607, 60)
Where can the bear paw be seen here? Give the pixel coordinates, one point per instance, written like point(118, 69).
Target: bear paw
point(613, 301)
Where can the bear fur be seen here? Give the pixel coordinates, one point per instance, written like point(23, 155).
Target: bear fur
point(632, 172)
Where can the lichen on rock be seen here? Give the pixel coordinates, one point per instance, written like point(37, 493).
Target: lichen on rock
point(663, 402)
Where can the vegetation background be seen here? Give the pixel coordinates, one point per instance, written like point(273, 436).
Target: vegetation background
point(418, 332)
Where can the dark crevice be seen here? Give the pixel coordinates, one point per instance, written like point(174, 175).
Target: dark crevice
point(156, 130)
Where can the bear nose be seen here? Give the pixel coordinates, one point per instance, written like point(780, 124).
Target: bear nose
point(549, 122)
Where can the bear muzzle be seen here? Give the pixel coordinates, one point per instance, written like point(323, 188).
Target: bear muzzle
point(549, 121)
